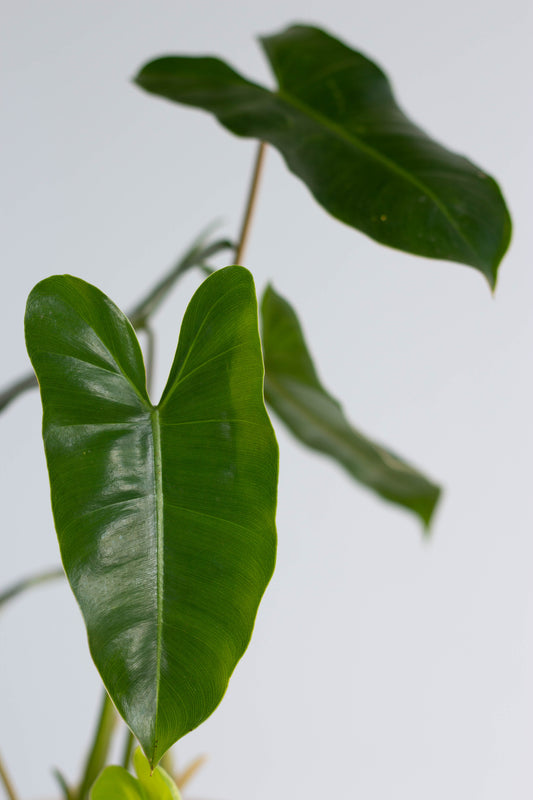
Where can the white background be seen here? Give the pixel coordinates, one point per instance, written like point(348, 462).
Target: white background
point(382, 665)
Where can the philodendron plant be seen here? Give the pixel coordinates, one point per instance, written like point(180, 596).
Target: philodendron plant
point(165, 513)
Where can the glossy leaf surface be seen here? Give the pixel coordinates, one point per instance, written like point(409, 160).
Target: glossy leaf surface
point(294, 391)
point(164, 514)
point(336, 122)
point(116, 783)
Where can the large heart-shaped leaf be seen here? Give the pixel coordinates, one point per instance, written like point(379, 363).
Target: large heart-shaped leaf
point(336, 123)
point(294, 391)
point(164, 514)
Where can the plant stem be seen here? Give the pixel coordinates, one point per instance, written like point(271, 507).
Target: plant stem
point(17, 387)
point(5, 780)
point(195, 257)
point(190, 771)
point(97, 756)
point(128, 749)
point(250, 204)
point(149, 356)
point(27, 583)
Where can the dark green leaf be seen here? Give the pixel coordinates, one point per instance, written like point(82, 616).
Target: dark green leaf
point(336, 123)
point(201, 250)
point(164, 514)
point(295, 393)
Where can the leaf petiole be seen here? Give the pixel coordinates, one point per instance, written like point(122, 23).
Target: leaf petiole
point(27, 583)
point(6, 782)
point(250, 204)
point(97, 756)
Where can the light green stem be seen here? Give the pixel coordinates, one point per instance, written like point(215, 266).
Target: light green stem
point(97, 756)
point(128, 749)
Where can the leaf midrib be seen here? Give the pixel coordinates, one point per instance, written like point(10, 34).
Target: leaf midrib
point(158, 497)
point(357, 144)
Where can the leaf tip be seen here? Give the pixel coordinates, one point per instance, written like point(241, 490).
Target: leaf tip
point(427, 510)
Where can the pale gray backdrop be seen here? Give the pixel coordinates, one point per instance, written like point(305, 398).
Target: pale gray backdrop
point(382, 665)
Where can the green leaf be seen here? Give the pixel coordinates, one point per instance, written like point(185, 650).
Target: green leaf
point(294, 391)
point(335, 121)
point(158, 785)
point(63, 785)
point(116, 783)
point(164, 514)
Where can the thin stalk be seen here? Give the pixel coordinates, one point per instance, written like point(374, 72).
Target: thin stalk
point(139, 315)
point(190, 771)
point(19, 386)
point(97, 756)
point(250, 204)
point(128, 749)
point(6, 782)
point(149, 357)
point(195, 257)
point(27, 583)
